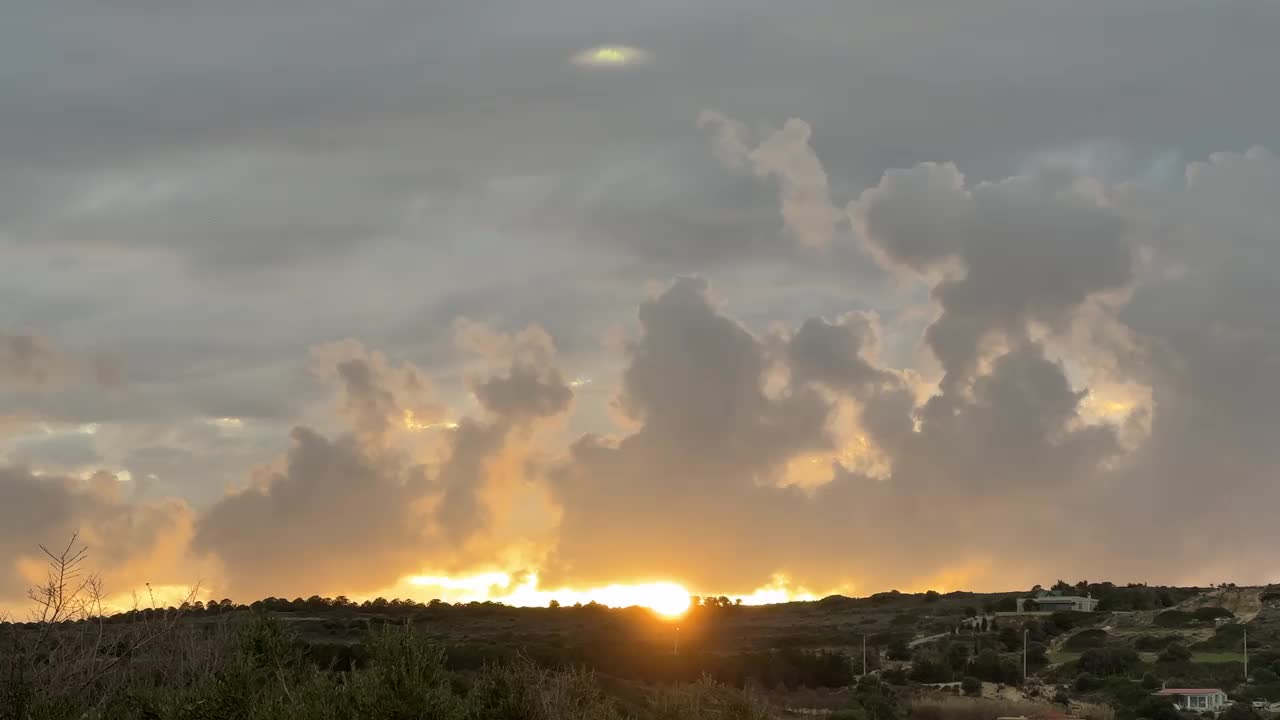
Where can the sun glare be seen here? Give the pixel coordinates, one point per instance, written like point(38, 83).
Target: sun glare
point(664, 598)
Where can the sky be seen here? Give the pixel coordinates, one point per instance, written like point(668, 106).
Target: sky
point(508, 299)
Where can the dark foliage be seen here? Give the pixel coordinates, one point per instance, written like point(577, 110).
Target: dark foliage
point(1175, 653)
point(1085, 639)
point(1108, 661)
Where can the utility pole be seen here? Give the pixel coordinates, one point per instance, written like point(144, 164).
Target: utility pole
point(1024, 654)
point(675, 649)
point(1246, 655)
point(864, 654)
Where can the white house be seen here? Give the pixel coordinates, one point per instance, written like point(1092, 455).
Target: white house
point(1198, 699)
point(1052, 602)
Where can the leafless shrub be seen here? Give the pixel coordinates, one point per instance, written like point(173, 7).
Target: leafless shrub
point(70, 651)
point(1093, 711)
point(956, 708)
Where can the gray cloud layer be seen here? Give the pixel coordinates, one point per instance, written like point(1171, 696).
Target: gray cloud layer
point(1032, 305)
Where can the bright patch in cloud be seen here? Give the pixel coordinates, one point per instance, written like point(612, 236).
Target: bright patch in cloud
point(411, 422)
point(777, 591)
point(610, 56)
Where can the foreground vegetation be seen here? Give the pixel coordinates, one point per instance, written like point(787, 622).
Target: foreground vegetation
point(333, 658)
point(262, 672)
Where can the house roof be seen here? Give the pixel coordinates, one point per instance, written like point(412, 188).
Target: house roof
point(1189, 691)
point(1062, 598)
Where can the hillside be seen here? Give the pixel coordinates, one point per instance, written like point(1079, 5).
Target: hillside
point(802, 654)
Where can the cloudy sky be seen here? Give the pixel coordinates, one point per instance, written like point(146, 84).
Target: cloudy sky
point(384, 297)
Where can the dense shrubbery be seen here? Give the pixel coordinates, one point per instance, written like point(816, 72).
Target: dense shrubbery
point(929, 666)
point(1108, 661)
point(1155, 643)
point(263, 673)
point(1173, 619)
point(1229, 637)
point(991, 666)
point(1086, 639)
point(1210, 614)
point(1174, 653)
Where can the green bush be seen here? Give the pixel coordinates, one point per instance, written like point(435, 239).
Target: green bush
point(1175, 653)
point(1264, 676)
point(1174, 619)
point(1108, 661)
point(1086, 639)
point(928, 666)
point(971, 686)
point(1239, 712)
point(1227, 638)
point(895, 676)
point(1155, 643)
point(1087, 682)
point(1209, 614)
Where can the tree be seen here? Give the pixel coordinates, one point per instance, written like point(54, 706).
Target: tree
point(1175, 653)
point(554, 604)
point(1108, 661)
point(1151, 682)
point(958, 656)
point(931, 596)
point(970, 611)
point(1087, 682)
point(1010, 638)
point(1239, 711)
point(898, 649)
point(928, 666)
point(971, 686)
point(1158, 708)
point(987, 665)
point(1037, 655)
point(1263, 676)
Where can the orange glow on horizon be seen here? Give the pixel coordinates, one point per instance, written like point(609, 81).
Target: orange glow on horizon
point(664, 598)
point(668, 599)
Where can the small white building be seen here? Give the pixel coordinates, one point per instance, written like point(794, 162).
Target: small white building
point(1196, 699)
point(1052, 602)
